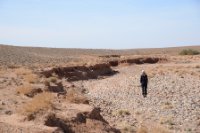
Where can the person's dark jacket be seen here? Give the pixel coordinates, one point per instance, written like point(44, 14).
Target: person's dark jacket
point(144, 79)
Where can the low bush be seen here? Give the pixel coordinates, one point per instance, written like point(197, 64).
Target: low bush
point(189, 52)
point(42, 101)
point(24, 89)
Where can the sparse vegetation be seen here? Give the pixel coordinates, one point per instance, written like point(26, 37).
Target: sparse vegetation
point(46, 83)
point(167, 105)
point(26, 74)
point(128, 129)
point(189, 52)
point(31, 78)
point(12, 66)
point(39, 102)
point(152, 129)
point(123, 112)
point(189, 130)
point(76, 97)
point(167, 120)
point(53, 79)
point(24, 89)
point(22, 71)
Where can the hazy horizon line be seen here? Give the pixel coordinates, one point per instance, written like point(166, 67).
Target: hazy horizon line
point(32, 46)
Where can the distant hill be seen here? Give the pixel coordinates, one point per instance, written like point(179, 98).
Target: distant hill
point(22, 55)
point(80, 51)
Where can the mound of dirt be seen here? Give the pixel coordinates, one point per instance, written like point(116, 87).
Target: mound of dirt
point(114, 63)
point(84, 122)
point(57, 87)
point(140, 60)
point(150, 60)
point(34, 92)
point(80, 72)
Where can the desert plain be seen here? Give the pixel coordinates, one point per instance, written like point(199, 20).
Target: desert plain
point(55, 90)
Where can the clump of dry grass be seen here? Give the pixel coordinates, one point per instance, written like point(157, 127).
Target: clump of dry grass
point(27, 75)
point(167, 120)
point(31, 78)
point(189, 52)
point(24, 89)
point(167, 105)
point(46, 82)
point(76, 97)
point(150, 72)
point(153, 129)
point(42, 101)
point(128, 129)
point(159, 129)
point(123, 112)
point(53, 79)
point(22, 71)
point(13, 66)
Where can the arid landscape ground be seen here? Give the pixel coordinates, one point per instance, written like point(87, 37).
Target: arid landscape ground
point(49, 90)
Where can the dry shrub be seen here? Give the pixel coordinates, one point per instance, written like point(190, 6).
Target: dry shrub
point(46, 82)
point(22, 71)
point(159, 129)
point(161, 72)
point(24, 89)
point(123, 112)
point(189, 52)
point(27, 75)
point(52, 79)
point(167, 105)
point(128, 129)
point(76, 97)
point(13, 66)
point(39, 102)
point(142, 129)
point(152, 129)
point(31, 78)
point(151, 73)
point(167, 120)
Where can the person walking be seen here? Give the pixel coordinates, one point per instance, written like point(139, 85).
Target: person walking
point(144, 82)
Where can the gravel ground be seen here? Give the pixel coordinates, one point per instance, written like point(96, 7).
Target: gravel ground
point(173, 101)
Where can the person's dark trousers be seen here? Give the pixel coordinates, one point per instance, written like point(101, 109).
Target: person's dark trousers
point(144, 90)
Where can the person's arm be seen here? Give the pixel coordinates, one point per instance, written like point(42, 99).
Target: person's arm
point(141, 79)
point(147, 79)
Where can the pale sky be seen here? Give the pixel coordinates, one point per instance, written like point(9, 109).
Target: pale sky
point(116, 24)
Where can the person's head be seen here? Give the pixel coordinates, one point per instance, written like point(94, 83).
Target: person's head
point(143, 72)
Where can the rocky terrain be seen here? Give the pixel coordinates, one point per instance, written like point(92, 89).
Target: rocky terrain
point(98, 91)
point(173, 99)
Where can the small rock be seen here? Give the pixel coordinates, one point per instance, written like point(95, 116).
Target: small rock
point(8, 112)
